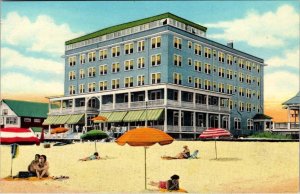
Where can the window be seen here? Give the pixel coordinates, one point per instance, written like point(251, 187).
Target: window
point(207, 52)
point(242, 108)
point(248, 79)
point(140, 46)
point(103, 54)
point(128, 82)
point(198, 83)
point(177, 78)
point(11, 120)
point(5, 111)
point(250, 124)
point(82, 58)
point(36, 120)
point(141, 62)
point(177, 42)
point(92, 72)
point(241, 63)
point(197, 66)
point(248, 65)
point(241, 77)
point(155, 78)
point(230, 104)
point(102, 85)
point(71, 89)
point(207, 68)
point(81, 88)
point(72, 75)
point(221, 87)
point(115, 67)
point(156, 60)
point(155, 42)
point(72, 61)
point(128, 48)
point(214, 85)
point(128, 65)
point(248, 107)
point(92, 56)
point(103, 69)
point(221, 56)
point(27, 120)
point(258, 81)
point(229, 59)
point(189, 61)
point(207, 84)
point(81, 74)
point(92, 87)
point(258, 95)
point(229, 89)
point(177, 60)
point(241, 91)
point(258, 68)
point(229, 74)
point(221, 72)
point(115, 83)
point(141, 80)
point(237, 123)
point(190, 44)
point(115, 51)
point(197, 49)
point(189, 79)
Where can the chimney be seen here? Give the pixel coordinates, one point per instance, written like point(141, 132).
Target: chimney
point(230, 44)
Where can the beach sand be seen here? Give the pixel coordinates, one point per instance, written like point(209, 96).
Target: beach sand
point(242, 167)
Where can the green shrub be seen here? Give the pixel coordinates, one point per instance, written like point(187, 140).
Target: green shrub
point(270, 135)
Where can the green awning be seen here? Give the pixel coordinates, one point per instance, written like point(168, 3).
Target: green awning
point(36, 129)
point(152, 115)
point(75, 118)
point(104, 114)
point(62, 119)
point(133, 116)
point(50, 120)
point(117, 116)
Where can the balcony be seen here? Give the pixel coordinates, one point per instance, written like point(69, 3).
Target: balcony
point(69, 110)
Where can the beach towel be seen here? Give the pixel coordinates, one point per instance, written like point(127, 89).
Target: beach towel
point(26, 179)
point(178, 191)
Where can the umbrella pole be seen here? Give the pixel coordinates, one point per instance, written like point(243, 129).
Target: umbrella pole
point(145, 169)
point(11, 166)
point(216, 149)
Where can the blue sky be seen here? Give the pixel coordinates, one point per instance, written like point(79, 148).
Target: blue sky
point(33, 35)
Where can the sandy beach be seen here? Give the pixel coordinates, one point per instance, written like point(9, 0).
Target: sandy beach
point(241, 167)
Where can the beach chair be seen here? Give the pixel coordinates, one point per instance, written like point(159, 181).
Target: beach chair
point(194, 155)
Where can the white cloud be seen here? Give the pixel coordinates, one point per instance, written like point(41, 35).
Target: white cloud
point(11, 59)
point(290, 58)
point(280, 86)
point(40, 35)
point(19, 84)
point(261, 30)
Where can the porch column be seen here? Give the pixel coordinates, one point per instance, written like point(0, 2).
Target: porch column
point(179, 97)
point(61, 104)
point(194, 99)
point(129, 99)
point(85, 113)
point(289, 119)
point(146, 107)
point(219, 121)
point(179, 123)
point(229, 123)
point(114, 101)
point(194, 123)
point(73, 105)
point(207, 120)
point(165, 96)
point(219, 103)
point(207, 102)
point(100, 103)
point(165, 120)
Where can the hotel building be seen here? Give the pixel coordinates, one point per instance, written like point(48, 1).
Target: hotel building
point(162, 72)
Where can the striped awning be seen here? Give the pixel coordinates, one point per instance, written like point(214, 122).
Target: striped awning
point(117, 116)
point(133, 116)
point(75, 118)
point(152, 115)
point(50, 120)
point(62, 120)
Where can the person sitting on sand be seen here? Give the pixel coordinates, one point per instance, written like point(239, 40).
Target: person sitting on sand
point(170, 185)
point(95, 156)
point(182, 155)
point(43, 167)
point(33, 165)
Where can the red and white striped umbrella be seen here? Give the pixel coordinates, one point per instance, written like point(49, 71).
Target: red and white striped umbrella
point(12, 135)
point(214, 133)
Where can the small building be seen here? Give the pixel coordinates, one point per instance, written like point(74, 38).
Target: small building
point(24, 114)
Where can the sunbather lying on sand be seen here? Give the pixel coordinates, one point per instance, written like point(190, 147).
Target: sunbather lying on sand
point(182, 155)
point(95, 156)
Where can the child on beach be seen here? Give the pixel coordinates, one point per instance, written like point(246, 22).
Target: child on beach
point(32, 167)
point(185, 154)
point(95, 156)
point(170, 185)
point(43, 167)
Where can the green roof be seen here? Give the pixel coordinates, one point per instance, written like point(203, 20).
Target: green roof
point(36, 129)
point(293, 101)
point(28, 109)
point(132, 24)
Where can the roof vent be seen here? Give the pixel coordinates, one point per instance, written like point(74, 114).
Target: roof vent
point(230, 44)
